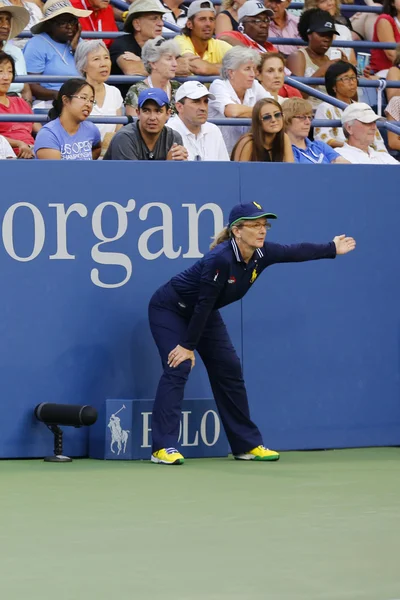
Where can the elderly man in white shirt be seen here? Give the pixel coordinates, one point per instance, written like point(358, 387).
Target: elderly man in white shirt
point(359, 126)
point(202, 140)
point(237, 92)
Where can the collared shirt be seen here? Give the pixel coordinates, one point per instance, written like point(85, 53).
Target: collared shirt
point(224, 95)
point(372, 157)
point(289, 30)
point(249, 42)
point(207, 145)
point(214, 54)
point(222, 277)
point(180, 20)
point(316, 153)
point(128, 144)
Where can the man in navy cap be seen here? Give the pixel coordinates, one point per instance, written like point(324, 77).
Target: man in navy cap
point(184, 317)
point(148, 138)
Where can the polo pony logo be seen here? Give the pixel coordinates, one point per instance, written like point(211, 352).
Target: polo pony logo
point(119, 436)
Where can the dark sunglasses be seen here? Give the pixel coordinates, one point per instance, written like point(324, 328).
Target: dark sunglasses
point(267, 118)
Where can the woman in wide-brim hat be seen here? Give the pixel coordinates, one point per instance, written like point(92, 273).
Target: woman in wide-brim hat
point(13, 20)
point(35, 15)
point(51, 50)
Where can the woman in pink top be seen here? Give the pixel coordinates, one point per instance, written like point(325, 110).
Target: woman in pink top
point(18, 135)
point(387, 29)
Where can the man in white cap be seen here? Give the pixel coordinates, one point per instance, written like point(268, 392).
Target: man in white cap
point(254, 19)
point(205, 53)
point(359, 127)
point(202, 140)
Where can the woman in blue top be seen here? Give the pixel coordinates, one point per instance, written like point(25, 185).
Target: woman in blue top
point(69, 136)
point(51, 49)
point(184, 317)
point(297, 114)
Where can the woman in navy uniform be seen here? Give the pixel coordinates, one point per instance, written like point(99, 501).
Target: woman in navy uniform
point(184, 317)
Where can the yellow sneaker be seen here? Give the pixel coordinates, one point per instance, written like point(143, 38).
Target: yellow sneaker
point(167, 456)
point(259, 453)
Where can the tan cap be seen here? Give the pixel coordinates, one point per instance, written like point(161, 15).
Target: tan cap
point(19, 18)
point(359, 111)
point(53, 8)
point(143, 6)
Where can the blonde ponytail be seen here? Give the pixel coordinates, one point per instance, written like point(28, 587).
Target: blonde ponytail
point(222, 236)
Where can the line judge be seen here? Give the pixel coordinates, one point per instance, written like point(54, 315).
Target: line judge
point(184, 317)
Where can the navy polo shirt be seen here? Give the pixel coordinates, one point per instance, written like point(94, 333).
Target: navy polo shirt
point(222, 277)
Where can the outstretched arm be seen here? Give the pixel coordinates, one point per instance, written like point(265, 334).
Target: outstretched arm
point(277, 253)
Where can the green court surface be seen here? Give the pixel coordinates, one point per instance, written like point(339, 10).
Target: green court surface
point(314, 526)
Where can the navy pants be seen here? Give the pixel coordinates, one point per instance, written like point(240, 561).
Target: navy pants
point(168, 323)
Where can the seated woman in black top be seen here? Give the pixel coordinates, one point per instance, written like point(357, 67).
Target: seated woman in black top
point(266, 142)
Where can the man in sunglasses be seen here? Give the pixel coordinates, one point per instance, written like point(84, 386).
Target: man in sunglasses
point(254, 19)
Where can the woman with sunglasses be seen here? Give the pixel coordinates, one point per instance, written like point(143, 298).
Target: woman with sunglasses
point(341, 82)
point(69, 136)
point(267, 141)
point(297, 114)
point(184, 316)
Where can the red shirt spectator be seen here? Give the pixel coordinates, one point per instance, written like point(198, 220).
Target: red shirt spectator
point(379, 60)
point(17, 131)
point(248, 41)
point(101, 19)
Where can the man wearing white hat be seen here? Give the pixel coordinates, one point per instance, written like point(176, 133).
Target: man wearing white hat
point(143, 22)
point(205, 53)
point(202, 140)
point(254, 19)
point(359, 126)
point(13, 20)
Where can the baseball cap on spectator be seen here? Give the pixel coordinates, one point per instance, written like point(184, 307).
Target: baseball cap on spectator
point(156, 94)
point(54, 8)
point(359, 111)
point(322, 23)
point(193, 90)
point(200, 6)
point(143, 6)
point(250, 210)
point(251, 8)
point(19, 18)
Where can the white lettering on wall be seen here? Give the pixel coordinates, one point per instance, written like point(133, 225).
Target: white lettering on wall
point(167, 233)
point(8, 231)
point(146, 429)
point(62, 218)
point(110, 258)
point(203, 427)
point(193, 218)
point(184, 430)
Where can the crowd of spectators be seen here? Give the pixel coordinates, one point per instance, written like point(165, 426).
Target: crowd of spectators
point(169, 120)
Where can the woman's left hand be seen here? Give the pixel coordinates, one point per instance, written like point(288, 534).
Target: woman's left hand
point(344, 244)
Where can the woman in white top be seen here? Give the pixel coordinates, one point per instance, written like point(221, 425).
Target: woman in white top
point(343, 32)
point(237, 92)
point(92, 60)
point(341, 83)
point(35, 15)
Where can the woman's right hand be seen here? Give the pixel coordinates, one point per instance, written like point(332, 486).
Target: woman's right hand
point(180, 354)
point(25, 151)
